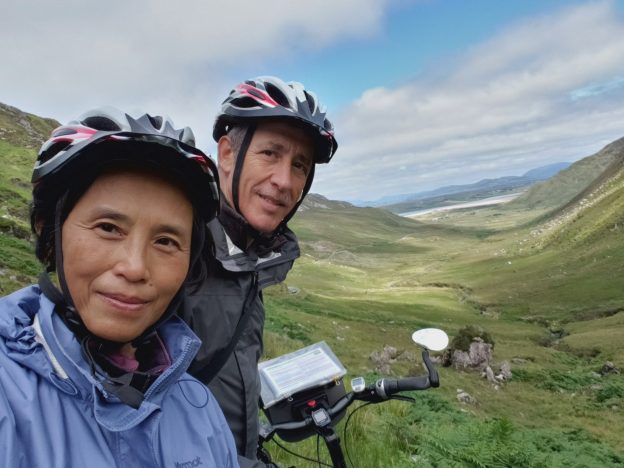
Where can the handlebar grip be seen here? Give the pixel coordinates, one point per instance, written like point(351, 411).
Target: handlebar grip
point(391, 386)
point(386, 388)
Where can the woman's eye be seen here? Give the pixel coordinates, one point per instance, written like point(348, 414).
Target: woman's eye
point(168, 242)
point(107, 227)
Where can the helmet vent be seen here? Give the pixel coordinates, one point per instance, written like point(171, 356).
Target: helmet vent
point(62, 131)
point(53, 150)
point(155, 120)
point(244, 102)
point(310, 100)
point(277, 95)
point(101, 123)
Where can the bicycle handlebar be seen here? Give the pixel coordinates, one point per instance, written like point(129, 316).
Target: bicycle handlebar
point(382, 390)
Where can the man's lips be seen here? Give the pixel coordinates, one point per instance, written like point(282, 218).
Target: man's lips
point(277, 201)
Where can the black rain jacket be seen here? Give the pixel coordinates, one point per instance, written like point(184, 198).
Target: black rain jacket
point(232, 293)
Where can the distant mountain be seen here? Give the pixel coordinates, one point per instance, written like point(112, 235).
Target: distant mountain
point(546, 172)
point(453, 194)
point(314, 200)
point(482, 189)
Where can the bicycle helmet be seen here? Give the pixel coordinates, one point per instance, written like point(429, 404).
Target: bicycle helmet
point(70, 161)
point(269, 98)
point(106, 136)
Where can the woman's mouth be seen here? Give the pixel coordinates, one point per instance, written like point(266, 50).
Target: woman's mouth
point(121, 301)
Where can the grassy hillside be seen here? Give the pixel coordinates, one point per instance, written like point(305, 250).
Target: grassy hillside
point(565, 186)
point(23, 129)
point(20, 134)
point(546, 286)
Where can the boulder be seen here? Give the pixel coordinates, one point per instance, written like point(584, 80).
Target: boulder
point(465, 397)
point(478, 356)
point(609, 368)
point(504, 373)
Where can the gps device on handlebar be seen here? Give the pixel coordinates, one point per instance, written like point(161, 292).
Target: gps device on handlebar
point(296, 385)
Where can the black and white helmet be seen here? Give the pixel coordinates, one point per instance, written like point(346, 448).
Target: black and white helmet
point(268, 97)
point(107, 136)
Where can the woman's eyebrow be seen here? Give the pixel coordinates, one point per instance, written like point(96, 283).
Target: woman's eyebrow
point(115, 215)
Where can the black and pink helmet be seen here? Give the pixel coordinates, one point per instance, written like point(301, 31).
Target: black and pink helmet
point(108, 136)
point(268, 97)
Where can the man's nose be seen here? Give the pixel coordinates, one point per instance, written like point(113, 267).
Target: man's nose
point(282, 174)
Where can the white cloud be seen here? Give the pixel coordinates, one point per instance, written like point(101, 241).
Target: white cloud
point(507, 105)
point(61, 58)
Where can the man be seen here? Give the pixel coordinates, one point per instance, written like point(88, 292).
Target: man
point(270, 135)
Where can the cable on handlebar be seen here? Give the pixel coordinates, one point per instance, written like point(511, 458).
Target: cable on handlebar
point(344, 431)
point(298, 455)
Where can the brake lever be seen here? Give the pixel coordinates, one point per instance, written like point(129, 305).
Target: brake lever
point(402, 398)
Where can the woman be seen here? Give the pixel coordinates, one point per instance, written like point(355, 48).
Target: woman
point(92, 372)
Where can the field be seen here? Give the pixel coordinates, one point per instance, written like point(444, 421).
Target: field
point(546, 285)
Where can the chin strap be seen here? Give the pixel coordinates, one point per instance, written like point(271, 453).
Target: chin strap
point(238, 168)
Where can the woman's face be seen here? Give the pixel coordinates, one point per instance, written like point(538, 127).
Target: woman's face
point(126, 251)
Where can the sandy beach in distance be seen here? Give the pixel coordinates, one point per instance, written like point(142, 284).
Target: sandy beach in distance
point(483, 202)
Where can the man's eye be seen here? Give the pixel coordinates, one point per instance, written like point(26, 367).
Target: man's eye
point(302, 167)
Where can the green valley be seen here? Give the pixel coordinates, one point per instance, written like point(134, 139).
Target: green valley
point(542, 275)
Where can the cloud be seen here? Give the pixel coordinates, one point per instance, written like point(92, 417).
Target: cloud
point(61, 58)
point(544, 90)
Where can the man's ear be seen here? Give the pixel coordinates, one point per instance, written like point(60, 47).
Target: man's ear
point(226, 158)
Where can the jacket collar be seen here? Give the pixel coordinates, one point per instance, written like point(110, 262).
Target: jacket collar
point(60, 350)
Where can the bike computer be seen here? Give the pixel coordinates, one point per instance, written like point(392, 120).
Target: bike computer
point(358, 384)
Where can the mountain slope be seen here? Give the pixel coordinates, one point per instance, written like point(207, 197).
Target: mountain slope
point(22, 129)
point(20, 134)
point(569, 183)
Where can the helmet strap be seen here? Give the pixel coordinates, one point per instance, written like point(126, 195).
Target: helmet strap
point(238, 167)
point(305, 191)
point(66, 306)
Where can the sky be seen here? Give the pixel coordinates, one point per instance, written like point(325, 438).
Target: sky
point(422, 93)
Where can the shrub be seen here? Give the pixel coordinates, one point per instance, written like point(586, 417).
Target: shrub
point(467, 334)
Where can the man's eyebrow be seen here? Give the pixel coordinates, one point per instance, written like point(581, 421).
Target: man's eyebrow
point(277, 146)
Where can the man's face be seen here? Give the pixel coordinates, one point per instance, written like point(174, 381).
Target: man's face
point(273, 176)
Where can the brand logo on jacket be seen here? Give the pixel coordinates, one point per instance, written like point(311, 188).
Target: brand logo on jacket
point(189, 464)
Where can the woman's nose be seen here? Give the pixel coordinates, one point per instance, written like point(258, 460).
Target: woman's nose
point(132, 262)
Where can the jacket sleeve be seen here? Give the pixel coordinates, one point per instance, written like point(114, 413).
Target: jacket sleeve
point(12, 453)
